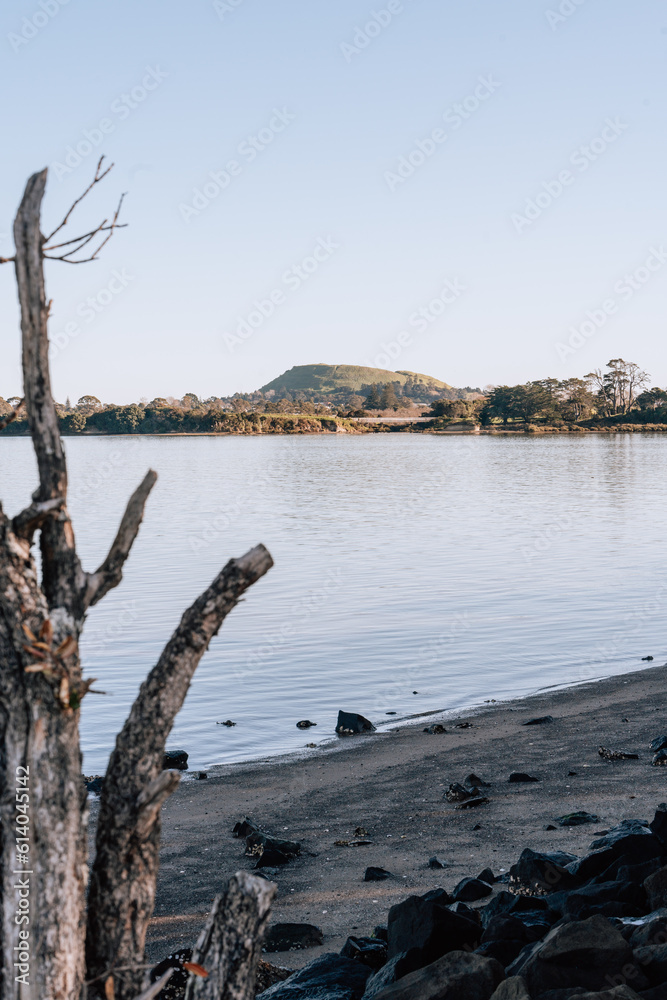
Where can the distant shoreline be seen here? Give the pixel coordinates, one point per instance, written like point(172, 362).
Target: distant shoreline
point(379, 426)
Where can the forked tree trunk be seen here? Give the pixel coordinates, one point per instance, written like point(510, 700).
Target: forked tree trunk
point(230, 945)
point(41, 688)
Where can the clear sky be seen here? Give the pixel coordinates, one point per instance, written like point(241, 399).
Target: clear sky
point(337, 213)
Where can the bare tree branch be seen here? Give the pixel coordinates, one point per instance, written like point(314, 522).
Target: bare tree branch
point(62, 577)
point(96, 180)
point(86, 238)
point(122, 888)
point(110, 573)
point(151, 799)
point(230, 945)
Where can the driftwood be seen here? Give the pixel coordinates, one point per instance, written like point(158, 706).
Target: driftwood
point(230, 946)
point(42, 687)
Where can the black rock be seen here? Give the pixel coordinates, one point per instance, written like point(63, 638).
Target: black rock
point(201, 775)
point(622, 849)
point(288, 937)
point(179, 978)
point(659, 824)
point(395, 969)
point(544, 872)
point(579, 953)
point(652, 930)
point(504, 927)
point(244, 828)
point(469, 890)
point(457, 793)
point(656, 889)
point(329, 977)
point(513, 988)
point(528, 909)
point(424, 922)
point(653, 960)
point(647, 657)
point(305, 724)
point(435, 729)
point(487, 876)
point(618, 833)
point(458, 975)
point(503, 951)
point(380, 932)
point(175, 759)
point(608, 754)
point(624, 895)
point(538, 721)
point(631, 873)
point(473, 782)
point(660, 759)
point(94, 785)
point(227, 722)
point(435, 862)
point(464, 725)
point(465, 911)
point(521, 776)
point(371, 951)
point(659, 743)
point(270, 851)
point(350, 723)
point(577, 819)
point(376, 875)
point(550, 826)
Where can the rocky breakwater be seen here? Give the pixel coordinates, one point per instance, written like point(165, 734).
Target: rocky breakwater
point(554, 927)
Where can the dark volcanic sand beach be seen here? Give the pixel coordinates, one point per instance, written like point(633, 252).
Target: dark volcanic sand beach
point(392, 783)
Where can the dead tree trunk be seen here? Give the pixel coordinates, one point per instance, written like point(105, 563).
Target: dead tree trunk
point(43, 814)
point(230, 945)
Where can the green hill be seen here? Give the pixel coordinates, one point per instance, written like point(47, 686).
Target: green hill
point(336, 378)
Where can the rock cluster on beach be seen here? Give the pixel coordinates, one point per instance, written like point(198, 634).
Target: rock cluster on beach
point(555, 927)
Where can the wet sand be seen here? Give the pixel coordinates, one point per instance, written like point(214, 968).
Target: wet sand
point(392, 783)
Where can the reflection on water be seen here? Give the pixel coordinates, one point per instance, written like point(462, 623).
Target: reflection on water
point(462, 568)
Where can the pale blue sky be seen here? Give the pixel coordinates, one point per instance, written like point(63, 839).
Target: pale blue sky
point(345, 118)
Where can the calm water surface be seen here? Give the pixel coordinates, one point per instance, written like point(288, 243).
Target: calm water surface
point(461, 568)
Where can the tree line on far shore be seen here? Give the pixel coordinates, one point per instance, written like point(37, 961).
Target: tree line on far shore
point(617, 393)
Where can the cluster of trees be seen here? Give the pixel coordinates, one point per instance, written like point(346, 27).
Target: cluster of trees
point(617, 391)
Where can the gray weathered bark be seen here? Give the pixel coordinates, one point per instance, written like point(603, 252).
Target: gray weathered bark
point(230, 946)
point(128, 833)
point(41, 688)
